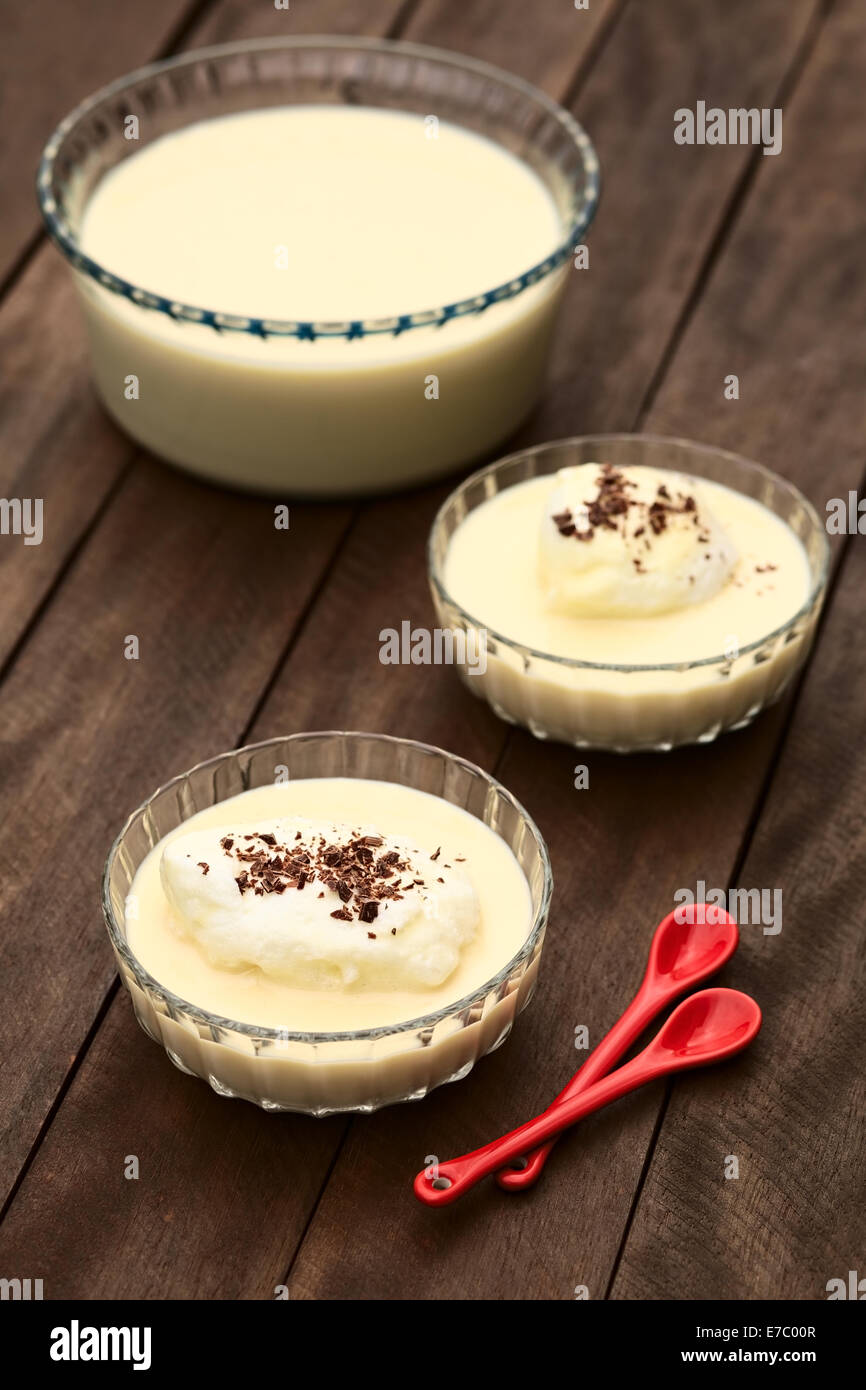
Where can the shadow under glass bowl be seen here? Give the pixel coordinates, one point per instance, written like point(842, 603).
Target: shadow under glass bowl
point(625, 707)
point(362, 1069)
point(319, 407)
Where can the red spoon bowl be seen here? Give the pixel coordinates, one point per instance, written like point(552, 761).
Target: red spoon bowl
point(707, 1027)
point(690, 944)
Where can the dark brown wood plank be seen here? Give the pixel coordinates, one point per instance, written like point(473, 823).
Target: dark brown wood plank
point(414, 1252)
point(272, 1171)
point(56, 53)
point(619, 855)
point(232, 19)
point(536, 42)
point(72, 678)
point(792, 1113)
point(55, 442)
point(149, 490)
point(212, 591)
point(53, 55)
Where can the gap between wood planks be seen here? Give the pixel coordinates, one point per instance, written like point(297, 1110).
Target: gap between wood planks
point(189, 21)
point(785, 93)
point(186, 23)
point(759, 804)
point(727, 221)
point(296, 634)
point(193, 17)
point(572, 92)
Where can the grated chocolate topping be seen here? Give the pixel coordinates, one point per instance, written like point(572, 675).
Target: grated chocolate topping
point(351, 868)
point(613, 506)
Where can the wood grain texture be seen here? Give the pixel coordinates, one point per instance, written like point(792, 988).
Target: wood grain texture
point(227, 20)
point(96, 1230)
point(321, 692)
point(333, 677)
point(794, 1217)
point(137, 576)
point(549, 44)
point(781, 308)
point(661, 203)
point(226, 1191)
point(212, 592)
point(52, 55)
point(55, 442)
point(605, 860)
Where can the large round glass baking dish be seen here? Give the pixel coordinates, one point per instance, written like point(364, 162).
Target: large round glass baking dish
point(314, 407)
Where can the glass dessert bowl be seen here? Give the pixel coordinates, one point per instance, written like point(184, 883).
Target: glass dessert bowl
point(280, 253)
point(630, 592)
point(296, 965)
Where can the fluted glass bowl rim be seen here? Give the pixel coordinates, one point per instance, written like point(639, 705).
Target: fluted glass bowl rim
point(150, 985)
point(309, 330)
point(673, 442)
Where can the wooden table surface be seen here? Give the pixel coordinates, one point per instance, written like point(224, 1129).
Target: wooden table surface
point(704, 262)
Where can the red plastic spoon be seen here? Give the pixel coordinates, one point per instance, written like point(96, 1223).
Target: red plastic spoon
point(688, 946)
point(706, 1027)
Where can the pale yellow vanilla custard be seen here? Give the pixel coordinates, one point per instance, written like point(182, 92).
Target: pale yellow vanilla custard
point(597, 567)
point(320, 212)
point(340, 216)
point(328, 905)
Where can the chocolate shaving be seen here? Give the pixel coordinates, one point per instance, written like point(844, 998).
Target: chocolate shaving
point(349, 869)
point(612, 502)
point(564, 523)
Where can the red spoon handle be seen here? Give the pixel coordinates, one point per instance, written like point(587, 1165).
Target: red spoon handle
point(661, 986)
point(707, 1027)
point(457, 1175)
point(625, 1032)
